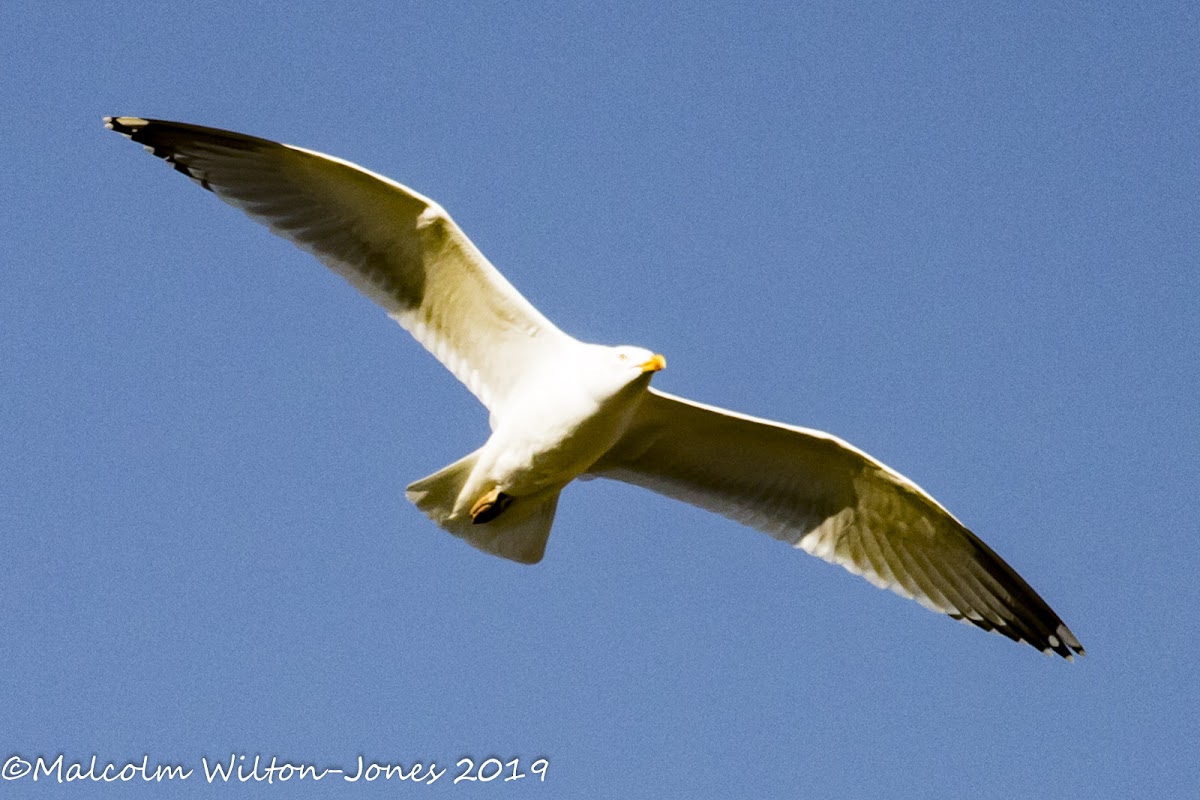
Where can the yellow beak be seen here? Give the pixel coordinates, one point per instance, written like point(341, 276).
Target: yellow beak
point(655, 363)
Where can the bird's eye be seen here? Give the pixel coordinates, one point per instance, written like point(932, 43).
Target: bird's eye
point(623, 356)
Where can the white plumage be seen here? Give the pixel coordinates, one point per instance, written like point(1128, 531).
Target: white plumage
point(562, 409)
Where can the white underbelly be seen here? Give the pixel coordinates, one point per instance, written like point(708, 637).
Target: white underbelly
point(548, 448)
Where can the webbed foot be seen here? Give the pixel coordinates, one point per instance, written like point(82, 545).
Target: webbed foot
point(489, 506)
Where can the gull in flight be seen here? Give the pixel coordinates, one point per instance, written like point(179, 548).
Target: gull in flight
point(562, 409)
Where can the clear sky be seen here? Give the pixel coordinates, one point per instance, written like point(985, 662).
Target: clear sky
point(962, 237)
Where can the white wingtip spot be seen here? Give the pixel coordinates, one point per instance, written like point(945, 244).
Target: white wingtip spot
point(1050, 651)
point(125, 125)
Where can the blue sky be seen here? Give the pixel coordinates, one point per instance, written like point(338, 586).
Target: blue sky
point(963, 238)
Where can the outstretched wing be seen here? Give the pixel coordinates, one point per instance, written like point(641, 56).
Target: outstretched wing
point(398, 248)
point(818, 493)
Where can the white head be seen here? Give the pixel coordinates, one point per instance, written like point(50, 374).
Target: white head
point(639, 359)
point(608, 370)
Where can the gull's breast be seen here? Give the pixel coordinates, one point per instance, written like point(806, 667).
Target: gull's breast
point(553, 436)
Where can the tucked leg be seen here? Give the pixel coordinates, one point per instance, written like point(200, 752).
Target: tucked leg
point(489, 506)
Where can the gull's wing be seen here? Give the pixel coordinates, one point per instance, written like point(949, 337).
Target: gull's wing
point(398, 248)
point(818, 493)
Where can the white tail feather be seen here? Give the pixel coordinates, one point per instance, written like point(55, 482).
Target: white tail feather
point(518, 534)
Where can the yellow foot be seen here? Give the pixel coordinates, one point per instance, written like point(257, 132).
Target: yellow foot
point(489, 506)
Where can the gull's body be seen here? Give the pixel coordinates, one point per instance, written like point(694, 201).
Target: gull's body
point(561, 409)
point(557, 426)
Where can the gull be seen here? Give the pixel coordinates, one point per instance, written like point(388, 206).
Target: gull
point(562, 409)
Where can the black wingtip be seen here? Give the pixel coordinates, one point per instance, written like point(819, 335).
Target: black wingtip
point(1065, 644)
point(158, 141)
